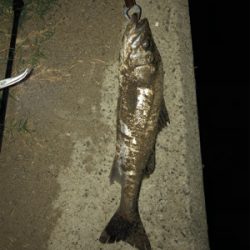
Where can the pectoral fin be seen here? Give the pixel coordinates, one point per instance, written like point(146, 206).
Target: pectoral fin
point(150, 167)
point(115, 174)
point(163, 116)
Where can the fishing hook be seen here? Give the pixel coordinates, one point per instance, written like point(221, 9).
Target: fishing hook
point(132, 10)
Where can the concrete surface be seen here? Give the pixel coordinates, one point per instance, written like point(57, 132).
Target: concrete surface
point(60, 133)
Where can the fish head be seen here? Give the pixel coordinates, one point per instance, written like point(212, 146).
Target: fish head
point(139, 55)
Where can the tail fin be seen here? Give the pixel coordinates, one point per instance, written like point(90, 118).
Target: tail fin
point(132, 232)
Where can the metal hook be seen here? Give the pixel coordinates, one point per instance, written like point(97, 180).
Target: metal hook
point(135, 9)
point(11, 81)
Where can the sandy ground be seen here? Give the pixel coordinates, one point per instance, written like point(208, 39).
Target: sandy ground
point(60, 131)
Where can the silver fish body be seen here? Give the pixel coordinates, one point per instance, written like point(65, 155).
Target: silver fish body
point(141, 114)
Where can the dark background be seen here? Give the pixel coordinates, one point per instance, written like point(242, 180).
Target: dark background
point(220, 33)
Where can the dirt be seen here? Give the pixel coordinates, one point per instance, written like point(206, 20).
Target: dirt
point(59, 137)
point(60, 100)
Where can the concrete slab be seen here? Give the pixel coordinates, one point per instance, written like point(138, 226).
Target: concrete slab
point(55, 191)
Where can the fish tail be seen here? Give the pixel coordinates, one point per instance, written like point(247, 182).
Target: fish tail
point(120, 228)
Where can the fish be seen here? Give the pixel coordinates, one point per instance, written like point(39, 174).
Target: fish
point(141, 115)
point(13, 80)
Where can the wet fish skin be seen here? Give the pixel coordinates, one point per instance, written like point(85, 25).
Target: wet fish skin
point(141, 114)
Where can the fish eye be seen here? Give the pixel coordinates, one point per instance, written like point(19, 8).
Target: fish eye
point(146, 44)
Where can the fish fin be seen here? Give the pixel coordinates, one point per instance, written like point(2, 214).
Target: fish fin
point(115, 174)
point(133, 232)
point(163, 120)
point(163, 116)
point(150, 167)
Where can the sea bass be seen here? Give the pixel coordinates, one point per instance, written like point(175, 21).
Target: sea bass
point(141, 114)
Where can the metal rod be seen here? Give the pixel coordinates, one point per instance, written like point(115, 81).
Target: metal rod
point(17, 8)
